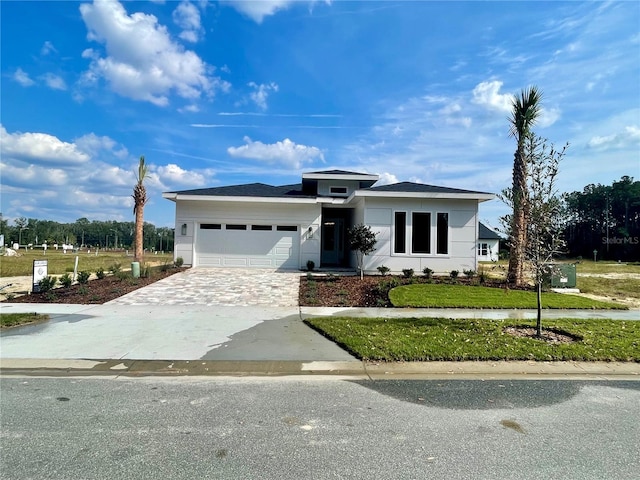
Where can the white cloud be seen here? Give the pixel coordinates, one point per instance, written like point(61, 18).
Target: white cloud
point(53, 81)
point(189, 108)
point(386, 179)
point(23, 78)
point(257, 10)
point(47, 48)
point(285, 152)
point(172, 174)
point(187, 17)
point(93, 144)
point(40, 148)
point(487, 94)
point(261, 93)
point(628, 137)
point(142, 62)
point(548, 116)
point(33, 175)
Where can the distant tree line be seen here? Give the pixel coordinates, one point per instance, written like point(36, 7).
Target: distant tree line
point(82, 232)
point(605, 218)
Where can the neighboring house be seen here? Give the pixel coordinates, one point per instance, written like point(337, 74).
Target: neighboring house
point(263, 226)
point(488, 244)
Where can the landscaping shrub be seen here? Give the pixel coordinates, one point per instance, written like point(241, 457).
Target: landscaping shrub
point(427, 272)
point(100, 273)
point(469, 273)
point(311, 265)
point(66, 280)
point(179, 262)
point(383, 270)
point(83, 277)
point(454, 274)
point(47, 283)
point(115, 268)
point(145, 271)
point(407, 272)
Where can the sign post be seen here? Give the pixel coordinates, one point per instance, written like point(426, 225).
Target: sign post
point(40, 269)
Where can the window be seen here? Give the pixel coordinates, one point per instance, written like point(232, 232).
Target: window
point(442, 241)
point(287, 228)
point(210, 226)
point(483, 249)
point(262, 227)
point(338, 190)
point(421, 232)
point(400, 233)
point(236, 227)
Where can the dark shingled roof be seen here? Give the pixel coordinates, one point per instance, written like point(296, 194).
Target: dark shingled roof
point(339, 172)
point(249, 190)
point(411, 187)
point(486, 233)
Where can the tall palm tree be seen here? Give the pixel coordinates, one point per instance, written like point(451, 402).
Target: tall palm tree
point(139, 200)
point(526, 110)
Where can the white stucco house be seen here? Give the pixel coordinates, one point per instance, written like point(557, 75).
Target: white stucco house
point(488, 244)
point(283, 227)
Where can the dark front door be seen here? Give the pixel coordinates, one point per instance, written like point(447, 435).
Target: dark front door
point(333, 241)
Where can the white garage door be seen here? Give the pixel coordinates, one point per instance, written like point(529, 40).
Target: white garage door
point(243, 245)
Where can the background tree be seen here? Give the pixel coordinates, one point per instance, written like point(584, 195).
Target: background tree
point(362, 241)
point(526, 109)
point(605, 218)
point(139, 199)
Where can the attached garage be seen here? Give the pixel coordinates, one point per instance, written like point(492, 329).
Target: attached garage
point(244, 245)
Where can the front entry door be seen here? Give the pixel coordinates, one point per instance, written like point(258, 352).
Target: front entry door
point(333, 241)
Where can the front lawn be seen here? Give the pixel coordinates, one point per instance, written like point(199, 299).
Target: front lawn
point(15, 319)
point(467, 296)
point(442, 339)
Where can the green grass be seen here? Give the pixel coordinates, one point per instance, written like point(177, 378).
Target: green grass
point(59, 263)
point(441, 339)
point(465, 296)
point(610, 287)
point(14, 319)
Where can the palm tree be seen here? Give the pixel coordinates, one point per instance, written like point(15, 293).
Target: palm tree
point(526, 109)
point(139, 200)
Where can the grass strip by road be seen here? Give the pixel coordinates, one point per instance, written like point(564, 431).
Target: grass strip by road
point(442, 339)
point(15, 319)
point(469, 296)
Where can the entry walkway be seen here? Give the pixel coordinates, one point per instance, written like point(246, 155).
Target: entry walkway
point(230, 287)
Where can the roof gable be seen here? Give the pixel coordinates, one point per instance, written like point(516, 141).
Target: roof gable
point(486, 233)
point(411, 187)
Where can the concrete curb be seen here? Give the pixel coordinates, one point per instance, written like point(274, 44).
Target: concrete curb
point(374, 371)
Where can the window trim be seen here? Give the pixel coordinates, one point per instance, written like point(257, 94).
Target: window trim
point(404, 233)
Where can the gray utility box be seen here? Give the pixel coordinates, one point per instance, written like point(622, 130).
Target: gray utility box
point(563, 275)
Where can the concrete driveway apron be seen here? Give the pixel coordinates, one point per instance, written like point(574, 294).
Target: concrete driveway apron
point(232, 287)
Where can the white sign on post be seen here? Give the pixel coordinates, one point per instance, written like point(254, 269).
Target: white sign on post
point(40, 271)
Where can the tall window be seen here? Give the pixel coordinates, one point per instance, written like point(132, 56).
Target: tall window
point(442, 242)
point(421, 232)
point(400, 233)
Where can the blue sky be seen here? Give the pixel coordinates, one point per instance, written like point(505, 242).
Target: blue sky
point(220, 93)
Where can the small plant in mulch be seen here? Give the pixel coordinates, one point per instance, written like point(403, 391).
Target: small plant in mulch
point(100, 274)
point(66, 280)
point(407, 272)
point(384, 270)
point(83, 277)
point(453, 274)
point(47, 283)
point(469, 273)
point(427, 272)
point(179, 262)
point(311, 265)
point(115, 268)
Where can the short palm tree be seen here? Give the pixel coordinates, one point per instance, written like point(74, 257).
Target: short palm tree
point(139, 201)
point(526, 110)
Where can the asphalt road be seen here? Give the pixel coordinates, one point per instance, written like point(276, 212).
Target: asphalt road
point(317, 428)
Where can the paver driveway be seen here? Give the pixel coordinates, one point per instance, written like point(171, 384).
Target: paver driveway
point(219, 286)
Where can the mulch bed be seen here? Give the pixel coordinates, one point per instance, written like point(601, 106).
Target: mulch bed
point(97, 291)
point(548, 335)
point(372, 291)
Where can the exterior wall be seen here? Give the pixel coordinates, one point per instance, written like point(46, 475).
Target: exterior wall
point(462, 235)
point(493, 249)
point(324, 187)
point(193, 213)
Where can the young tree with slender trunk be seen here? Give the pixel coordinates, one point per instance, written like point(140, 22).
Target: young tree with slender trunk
point(526, 109)
point(362, 241)
point(139, 201)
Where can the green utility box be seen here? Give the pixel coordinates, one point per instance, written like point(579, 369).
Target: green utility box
point(563, 275)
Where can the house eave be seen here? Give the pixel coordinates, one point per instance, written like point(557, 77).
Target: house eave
point(480, 197)
point(338, 176)
point(225, 198)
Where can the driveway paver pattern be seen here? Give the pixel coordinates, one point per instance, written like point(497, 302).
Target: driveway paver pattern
point(234, 287)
